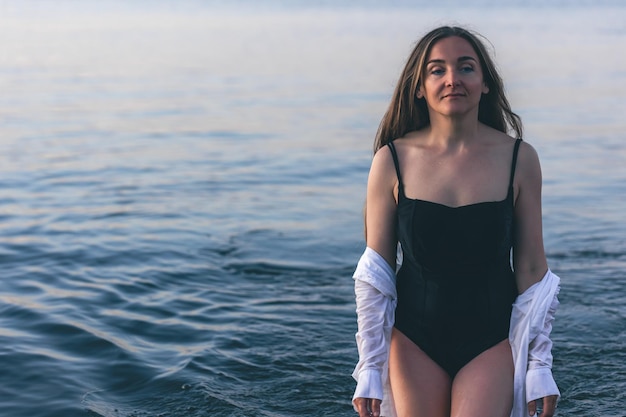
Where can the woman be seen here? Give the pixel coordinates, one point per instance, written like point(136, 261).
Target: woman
point(453, 194)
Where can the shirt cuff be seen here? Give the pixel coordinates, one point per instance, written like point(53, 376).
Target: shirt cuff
point(369, 385)
point(540, 384)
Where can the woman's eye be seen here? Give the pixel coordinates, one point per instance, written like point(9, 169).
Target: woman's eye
point(467, 69)
point(436, 71)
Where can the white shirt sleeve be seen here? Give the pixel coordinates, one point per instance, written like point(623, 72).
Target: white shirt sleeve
point(539, 380)
point(531, 323)
point(371, 340)
point(375, 306)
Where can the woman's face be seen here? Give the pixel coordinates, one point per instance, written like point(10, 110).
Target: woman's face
point(452, 83)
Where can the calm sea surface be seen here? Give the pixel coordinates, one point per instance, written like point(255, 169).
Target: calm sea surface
point(182, 184)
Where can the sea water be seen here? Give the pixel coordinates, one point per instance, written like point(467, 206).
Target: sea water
point(182, 186)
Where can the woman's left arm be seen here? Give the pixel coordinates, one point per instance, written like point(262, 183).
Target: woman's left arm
point(529, 259)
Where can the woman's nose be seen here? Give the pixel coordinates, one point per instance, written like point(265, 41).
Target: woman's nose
point(452, 79)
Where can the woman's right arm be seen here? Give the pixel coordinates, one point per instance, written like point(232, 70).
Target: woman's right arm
point(381, 237)
point(381, 205)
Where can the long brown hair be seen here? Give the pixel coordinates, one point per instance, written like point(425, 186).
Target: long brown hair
point(407, 113)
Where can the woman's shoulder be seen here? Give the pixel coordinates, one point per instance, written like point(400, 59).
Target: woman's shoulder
point(399, 144)
point(526, 150)
point(528, 164)
point(382, 162)
point(495, 137)
point(411, 140)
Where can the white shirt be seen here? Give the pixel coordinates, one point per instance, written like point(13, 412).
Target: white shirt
point(529, 335)
point(531, 322)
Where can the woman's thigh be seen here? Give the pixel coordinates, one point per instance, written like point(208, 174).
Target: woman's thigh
point(484, 387)
point(420, 388)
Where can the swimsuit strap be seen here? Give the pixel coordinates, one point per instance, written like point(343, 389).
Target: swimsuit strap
point(514, 162)
point(396, 163)
point(392, 148)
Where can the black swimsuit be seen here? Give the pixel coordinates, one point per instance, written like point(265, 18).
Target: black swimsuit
point(455, 285)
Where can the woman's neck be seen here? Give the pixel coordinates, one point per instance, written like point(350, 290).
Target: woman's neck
point(453, 131)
